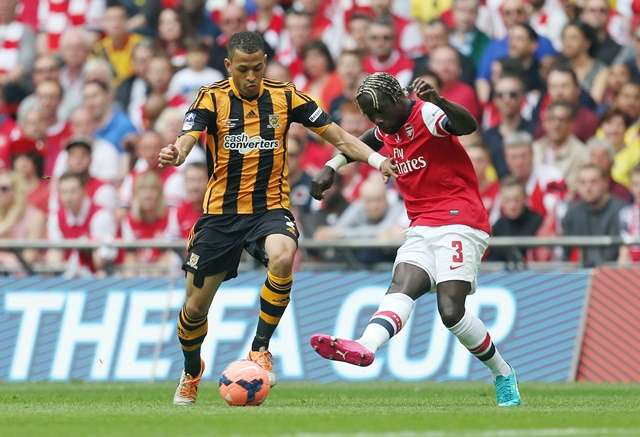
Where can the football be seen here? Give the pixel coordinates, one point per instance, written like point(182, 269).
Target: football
point(244, 383)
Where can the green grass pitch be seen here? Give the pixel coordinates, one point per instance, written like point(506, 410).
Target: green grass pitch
point(371, 409)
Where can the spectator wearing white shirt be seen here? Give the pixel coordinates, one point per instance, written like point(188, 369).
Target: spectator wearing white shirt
point(187, 81)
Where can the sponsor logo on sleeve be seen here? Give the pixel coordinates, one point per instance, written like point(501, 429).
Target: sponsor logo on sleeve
point(189, 120)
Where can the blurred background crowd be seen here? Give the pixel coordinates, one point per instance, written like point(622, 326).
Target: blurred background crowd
point(90, 90)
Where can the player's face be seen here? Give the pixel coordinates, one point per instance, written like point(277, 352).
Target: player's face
point(389, 119)
point(247, 71)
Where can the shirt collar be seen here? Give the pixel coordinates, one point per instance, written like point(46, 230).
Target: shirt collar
point(237, 93)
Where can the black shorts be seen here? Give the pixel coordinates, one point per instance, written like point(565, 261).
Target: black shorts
point(217, 241)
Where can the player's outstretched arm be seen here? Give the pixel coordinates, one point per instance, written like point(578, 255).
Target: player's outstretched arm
point(355, 149)
point(460, 121)
point(175, 154)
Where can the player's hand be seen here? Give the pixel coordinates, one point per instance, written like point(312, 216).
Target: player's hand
point(168, 156)
point(389, 169)
point(322, 182)
point(424, 91)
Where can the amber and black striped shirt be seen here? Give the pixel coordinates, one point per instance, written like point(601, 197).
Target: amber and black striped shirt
point(246, 143)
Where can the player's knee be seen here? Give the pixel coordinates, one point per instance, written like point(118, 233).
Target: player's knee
point(281, 262)
point(195, 309)
point(450, 312)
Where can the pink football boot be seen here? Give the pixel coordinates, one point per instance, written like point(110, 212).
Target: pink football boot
point(340, 349)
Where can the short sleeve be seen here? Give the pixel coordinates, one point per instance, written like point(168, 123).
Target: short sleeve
point(305, 110)
point(435, 120)
point(201, 115)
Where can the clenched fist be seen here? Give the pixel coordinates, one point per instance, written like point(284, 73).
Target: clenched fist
point(169, 156)
point(322, 182)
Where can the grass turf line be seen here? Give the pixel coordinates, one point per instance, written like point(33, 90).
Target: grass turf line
point(436, 409)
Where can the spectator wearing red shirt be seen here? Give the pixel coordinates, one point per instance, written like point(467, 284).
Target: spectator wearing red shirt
point(268, 20)
point(49, 94)
point(17, 45)
point(382, 54)
point(30, 166)
point(195, 185)
point(79, 219)
point(407, 33)
point(323, 82)
point(357, 26)
point(297, 34)
point(148, 218)
point(170, 38)
point(27, 136)
point(444, 61)
point(543, 183)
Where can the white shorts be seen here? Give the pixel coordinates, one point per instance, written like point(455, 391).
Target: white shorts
point(446, 253)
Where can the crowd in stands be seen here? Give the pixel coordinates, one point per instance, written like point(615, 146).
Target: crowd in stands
point(90, 90)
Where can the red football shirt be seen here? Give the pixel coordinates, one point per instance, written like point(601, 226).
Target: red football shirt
point(436, 178)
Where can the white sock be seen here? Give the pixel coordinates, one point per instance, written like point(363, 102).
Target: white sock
point(474, 336)
point(392, 314)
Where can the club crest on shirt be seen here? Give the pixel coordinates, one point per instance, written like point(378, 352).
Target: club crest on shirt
point(193, 261)
point(274, 121)
point(408, 129)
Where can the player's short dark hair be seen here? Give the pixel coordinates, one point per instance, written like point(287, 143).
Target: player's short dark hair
point(246, 42)
point(378, 84)
point(73, 175)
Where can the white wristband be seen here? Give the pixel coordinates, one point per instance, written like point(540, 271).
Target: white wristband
point(337, 161)
point(375, 160)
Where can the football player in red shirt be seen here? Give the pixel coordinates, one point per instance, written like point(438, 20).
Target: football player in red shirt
point(449, 229)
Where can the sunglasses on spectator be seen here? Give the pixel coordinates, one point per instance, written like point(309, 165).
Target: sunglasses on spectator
point(510, 94)
point(5, 188)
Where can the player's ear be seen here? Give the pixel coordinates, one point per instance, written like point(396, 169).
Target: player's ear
point(227, 65)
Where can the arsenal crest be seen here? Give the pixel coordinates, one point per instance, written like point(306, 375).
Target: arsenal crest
point(274, 121)
point(408, 129)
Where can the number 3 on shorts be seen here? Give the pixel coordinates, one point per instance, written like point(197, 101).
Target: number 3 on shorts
point(457, 257)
